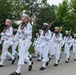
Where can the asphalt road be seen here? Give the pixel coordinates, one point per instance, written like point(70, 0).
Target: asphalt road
point(62, 69)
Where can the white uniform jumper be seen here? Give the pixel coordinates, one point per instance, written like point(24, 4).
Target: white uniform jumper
point(25, 37)
point(67, 43)
point(56, 40)
point(74, 47)
point(36, 47)
point(14, 44)
point(7, 35)
point(45, 47)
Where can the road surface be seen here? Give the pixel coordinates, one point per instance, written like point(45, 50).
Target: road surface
point(62, 69)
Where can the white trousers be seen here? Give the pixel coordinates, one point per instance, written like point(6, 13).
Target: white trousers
point(57, 52)
point(36, 48)
point(40, 51)
point(0, 42)
point(51, 51)
point(14, 46)
point(23, 49)
point(5, 52)
point(67, 52)
point(44, 54)
point(45, 51)
point(74, 51)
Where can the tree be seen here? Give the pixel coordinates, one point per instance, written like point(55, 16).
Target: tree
point(66, 15)
point(47, 14)
point(9, 9)
point(14, 8)
point(73, 15)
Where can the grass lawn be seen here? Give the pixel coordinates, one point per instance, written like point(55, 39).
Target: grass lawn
point(31, 49)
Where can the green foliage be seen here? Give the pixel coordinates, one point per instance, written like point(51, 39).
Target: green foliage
point(31, 50)
point(9, 9)
point(65, 13)
point(46, 14)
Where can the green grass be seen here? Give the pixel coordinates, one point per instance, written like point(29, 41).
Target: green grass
point(70, 49)
point(31, 49)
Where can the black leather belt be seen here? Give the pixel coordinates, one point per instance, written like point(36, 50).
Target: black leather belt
point(23, 38)
point(6, 39)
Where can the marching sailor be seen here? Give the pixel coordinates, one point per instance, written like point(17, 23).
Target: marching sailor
point(6, 34)
point(35, 44)
point(39, 49)
point(51, 50)
point(45, 46)
point(56, 39)
point(74, 46)
point(67, 45)
point(14, 42)
point(0, 38)
point(25, 36)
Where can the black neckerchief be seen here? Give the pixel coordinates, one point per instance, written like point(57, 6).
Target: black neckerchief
point(22, 24)
point(56, 34)
point(74, 38)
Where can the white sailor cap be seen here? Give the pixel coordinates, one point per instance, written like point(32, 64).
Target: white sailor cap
point(37, 33)
point(40, 29)
point(46, 24)
point(25, 15)
point(15, 29)
point(66, 31)
point(8, 20)
point(74, 34)
point(56, 27)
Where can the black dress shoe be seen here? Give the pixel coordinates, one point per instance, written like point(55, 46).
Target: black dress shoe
point(9, 59)
point(42, 68)
point(55, 64)
point(58, 60)
point(38, 55)
point(50, 59)
point(25, 62)
point(15, 73)
point(1, 65)
point(60, 57)
point(34, 56)
point(38, 60)
point(32, 63)
point(74, 59)
point(18, 57)
point(66, 61)
point(47, 63)
point(30, 59)
point(13, 61)
point(30, 67)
